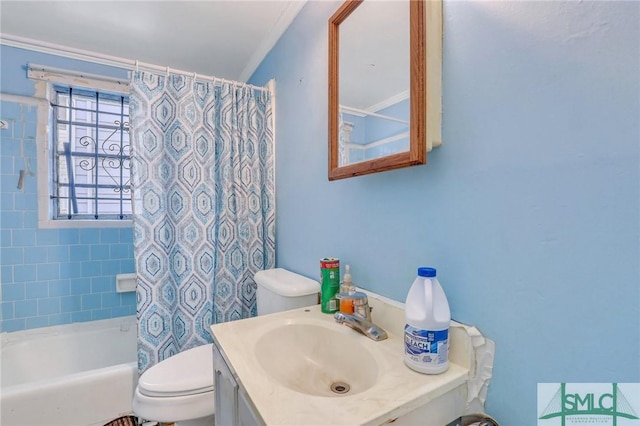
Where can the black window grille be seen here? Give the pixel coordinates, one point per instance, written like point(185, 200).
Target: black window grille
point(91, 155)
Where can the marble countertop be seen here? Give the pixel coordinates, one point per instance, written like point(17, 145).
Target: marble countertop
point(397, 391)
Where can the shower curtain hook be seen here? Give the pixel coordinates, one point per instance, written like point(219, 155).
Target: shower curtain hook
point(136, 65)
point(168, 71)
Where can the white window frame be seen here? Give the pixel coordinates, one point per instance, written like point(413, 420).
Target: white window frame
point(46, 78)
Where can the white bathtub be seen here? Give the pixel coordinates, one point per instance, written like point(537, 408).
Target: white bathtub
point(78, 374)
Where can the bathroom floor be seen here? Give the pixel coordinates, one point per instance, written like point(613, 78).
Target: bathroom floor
point(134, 421)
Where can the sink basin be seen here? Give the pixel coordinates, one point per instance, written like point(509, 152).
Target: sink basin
point(316, 359)
point(285, 363)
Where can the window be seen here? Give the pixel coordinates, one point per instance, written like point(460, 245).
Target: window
point(91, 156)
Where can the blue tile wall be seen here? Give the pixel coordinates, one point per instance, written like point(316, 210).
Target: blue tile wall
point(52, 276)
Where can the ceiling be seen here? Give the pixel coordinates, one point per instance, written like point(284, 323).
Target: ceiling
point(222, 38)
point(225, 39)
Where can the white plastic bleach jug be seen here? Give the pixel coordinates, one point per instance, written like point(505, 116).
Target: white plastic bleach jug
point(426, 333)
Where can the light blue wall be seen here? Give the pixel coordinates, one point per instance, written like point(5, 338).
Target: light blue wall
point(529, 210)
point(50, 276)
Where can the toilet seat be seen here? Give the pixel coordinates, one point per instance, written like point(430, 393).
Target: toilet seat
point(173, 409)
point(187, 373)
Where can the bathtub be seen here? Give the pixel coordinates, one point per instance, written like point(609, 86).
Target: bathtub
point(78, 374)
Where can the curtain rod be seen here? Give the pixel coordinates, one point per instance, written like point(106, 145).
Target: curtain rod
point(114, 61)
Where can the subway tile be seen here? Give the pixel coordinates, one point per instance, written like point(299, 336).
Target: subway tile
point(30, 189)
point(37, 322)
point(24, 201)
point(30, 219)
point(6, 165)
point(29, 192)
point(49, 306)
point(80, 286)
point(6, 274)
point(120, 311)
point(70, 303)
point(7, 204)
point(89, 236)
point(48, 271)
point(81, 316)
point(30, 144)
point(10, 185)
point(127, 266)
point(126, 235)
point(30, 116)
point(69, 236)
point(5, 237)
point(23, 237)
point(11, 147)
point(13, 325)
point(110, 300)
point(71, 270)
point(26, 308)
point(80, 253)
point(47, 237)
point(58, 253)
point(12, 255)
point(35, 254)
point(120, 251)
point(60, 319)
point(103, 284)
point(109, 235)
point(13, 292)
point(36, 290)
point(111, 267)
point(6, 201)
point(28, 138)
point(10, 219)
point(100, 314)
point(100, 252)
point(59, 288)
point(91, 301)
point(7, 310)
point(91, 268)
point(10, 111)
point(128, 298)
point(22, 273)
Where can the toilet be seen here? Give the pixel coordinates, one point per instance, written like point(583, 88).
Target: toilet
point(180, 389)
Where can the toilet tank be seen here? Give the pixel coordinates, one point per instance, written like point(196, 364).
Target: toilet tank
point(281, 290)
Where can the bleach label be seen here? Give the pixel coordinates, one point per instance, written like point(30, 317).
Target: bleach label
point(426, 347)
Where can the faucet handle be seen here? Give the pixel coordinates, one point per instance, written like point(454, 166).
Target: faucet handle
point(361, 305)
point(357, 302)
point(359, 298)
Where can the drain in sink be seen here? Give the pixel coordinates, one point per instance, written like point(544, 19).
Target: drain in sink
point(340, 387)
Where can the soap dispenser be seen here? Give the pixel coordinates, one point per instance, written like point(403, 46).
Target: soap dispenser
point(346, 289)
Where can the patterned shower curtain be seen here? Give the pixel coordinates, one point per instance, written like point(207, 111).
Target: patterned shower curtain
point(204, 207)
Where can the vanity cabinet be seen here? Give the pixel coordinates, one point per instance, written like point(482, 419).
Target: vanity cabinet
point(232, 405)
point(273, 370)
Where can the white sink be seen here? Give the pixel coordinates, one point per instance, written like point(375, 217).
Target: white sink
point(286, 363)
point(316, 359)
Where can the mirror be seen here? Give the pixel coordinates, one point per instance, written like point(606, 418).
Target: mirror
point(377, 87)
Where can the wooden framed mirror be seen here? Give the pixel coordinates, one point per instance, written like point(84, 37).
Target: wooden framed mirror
point(378, 86)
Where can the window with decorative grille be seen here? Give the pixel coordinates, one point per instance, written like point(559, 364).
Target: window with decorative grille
point(91, 159)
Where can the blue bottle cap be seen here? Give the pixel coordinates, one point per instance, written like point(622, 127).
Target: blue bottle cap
point(426, 272)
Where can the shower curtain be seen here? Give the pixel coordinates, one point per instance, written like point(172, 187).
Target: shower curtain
point(204, 206)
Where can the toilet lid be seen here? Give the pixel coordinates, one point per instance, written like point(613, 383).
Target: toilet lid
point(187, 373)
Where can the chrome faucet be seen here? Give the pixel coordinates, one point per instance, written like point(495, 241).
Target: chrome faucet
point(360, 319)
